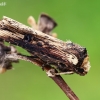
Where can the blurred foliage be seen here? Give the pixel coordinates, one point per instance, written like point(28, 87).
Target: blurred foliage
point(78, 21)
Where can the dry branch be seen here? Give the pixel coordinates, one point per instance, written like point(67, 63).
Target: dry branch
point(47, 51)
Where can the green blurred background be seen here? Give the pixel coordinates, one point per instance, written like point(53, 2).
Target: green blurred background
point(78, 21)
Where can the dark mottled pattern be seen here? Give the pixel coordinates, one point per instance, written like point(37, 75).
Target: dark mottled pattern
point(49, 50)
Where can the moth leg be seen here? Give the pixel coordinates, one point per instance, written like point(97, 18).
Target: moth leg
point(52, 72)
point(65, 73)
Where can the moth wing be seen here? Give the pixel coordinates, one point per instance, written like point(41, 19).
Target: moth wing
point(46, 24)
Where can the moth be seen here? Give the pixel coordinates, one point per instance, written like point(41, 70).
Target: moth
point(66, 57)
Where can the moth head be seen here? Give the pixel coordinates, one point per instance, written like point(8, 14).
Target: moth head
point(84, 68)
point(81, 60)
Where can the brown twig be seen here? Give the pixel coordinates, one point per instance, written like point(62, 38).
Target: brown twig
point(65, 88)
